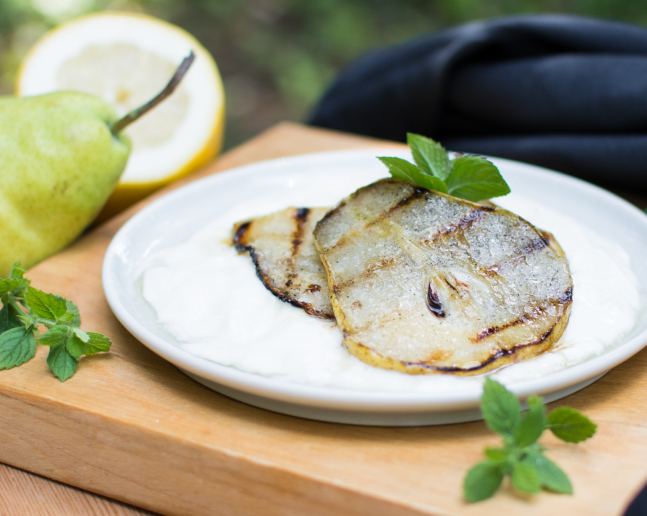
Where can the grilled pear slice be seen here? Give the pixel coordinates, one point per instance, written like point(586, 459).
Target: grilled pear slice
point(422, 282)
point(282, 248)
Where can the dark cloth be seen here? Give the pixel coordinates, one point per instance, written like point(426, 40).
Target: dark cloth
point(564, 92)
point(638, 507)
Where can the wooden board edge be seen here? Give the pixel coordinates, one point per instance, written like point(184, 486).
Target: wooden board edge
point(140, 467)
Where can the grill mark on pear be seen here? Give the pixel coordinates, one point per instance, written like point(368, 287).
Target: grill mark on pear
point(417, 193)
point(481, 367)
point(462, 225)
point(300, 220)
point(487, 332)
point(240, 242)
point(491, 270)
point(281, 248)
point(500, 354)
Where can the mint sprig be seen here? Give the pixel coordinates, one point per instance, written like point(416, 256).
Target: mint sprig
point(25, 310)
point(521, 456)
point(469, 177)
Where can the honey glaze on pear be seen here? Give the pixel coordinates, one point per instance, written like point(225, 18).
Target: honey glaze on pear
point(422, 282)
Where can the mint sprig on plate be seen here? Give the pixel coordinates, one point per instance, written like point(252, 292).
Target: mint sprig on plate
point(469, 177)
point(521, 456)
point(25, 310)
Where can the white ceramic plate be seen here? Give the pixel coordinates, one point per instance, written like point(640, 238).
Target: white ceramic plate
point(173, 218)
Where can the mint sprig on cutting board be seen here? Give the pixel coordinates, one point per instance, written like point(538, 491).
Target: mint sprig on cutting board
point(469, 177)
point(521, 456)
point(25, 311)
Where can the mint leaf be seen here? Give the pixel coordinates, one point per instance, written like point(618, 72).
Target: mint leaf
point(75, 346)
point(430, 156)
point(405, 171)
point(62, 364)
point(17, 272)
point(26, 320)
point(475, 179)
point(72, 315)
point(7, 285)
point(46, 306)
point(468, 177)
point(84, 337)
point(66, 319)
point(67, 341)
point(533, 423)
point(525, 477)
point(16, 275)
point(57, 335)
point(482, 481)
point(98, 342)
point(9, 317)
point(570, 425)
point(500, 408)
point(522, 457)
point(550, 475)
point(500, 454)
point(17, 346)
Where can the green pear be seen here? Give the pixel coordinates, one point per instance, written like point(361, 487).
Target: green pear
point(59, 163)
point(61, 156)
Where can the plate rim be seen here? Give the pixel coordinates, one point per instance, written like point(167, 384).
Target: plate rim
point(336, 397)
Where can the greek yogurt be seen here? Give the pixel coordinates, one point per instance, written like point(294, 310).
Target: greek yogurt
point(226, 315)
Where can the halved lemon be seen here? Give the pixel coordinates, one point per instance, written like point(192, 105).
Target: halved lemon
point(126, 59)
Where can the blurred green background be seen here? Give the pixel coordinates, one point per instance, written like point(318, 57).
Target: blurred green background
point(278, 56)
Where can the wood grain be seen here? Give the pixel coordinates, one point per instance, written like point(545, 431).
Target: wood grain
point(132, 427)
point(25, 494)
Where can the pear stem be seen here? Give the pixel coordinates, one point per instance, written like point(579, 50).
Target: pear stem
point(129, 118)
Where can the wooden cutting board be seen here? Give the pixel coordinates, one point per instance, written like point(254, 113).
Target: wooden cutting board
point(133, 427)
